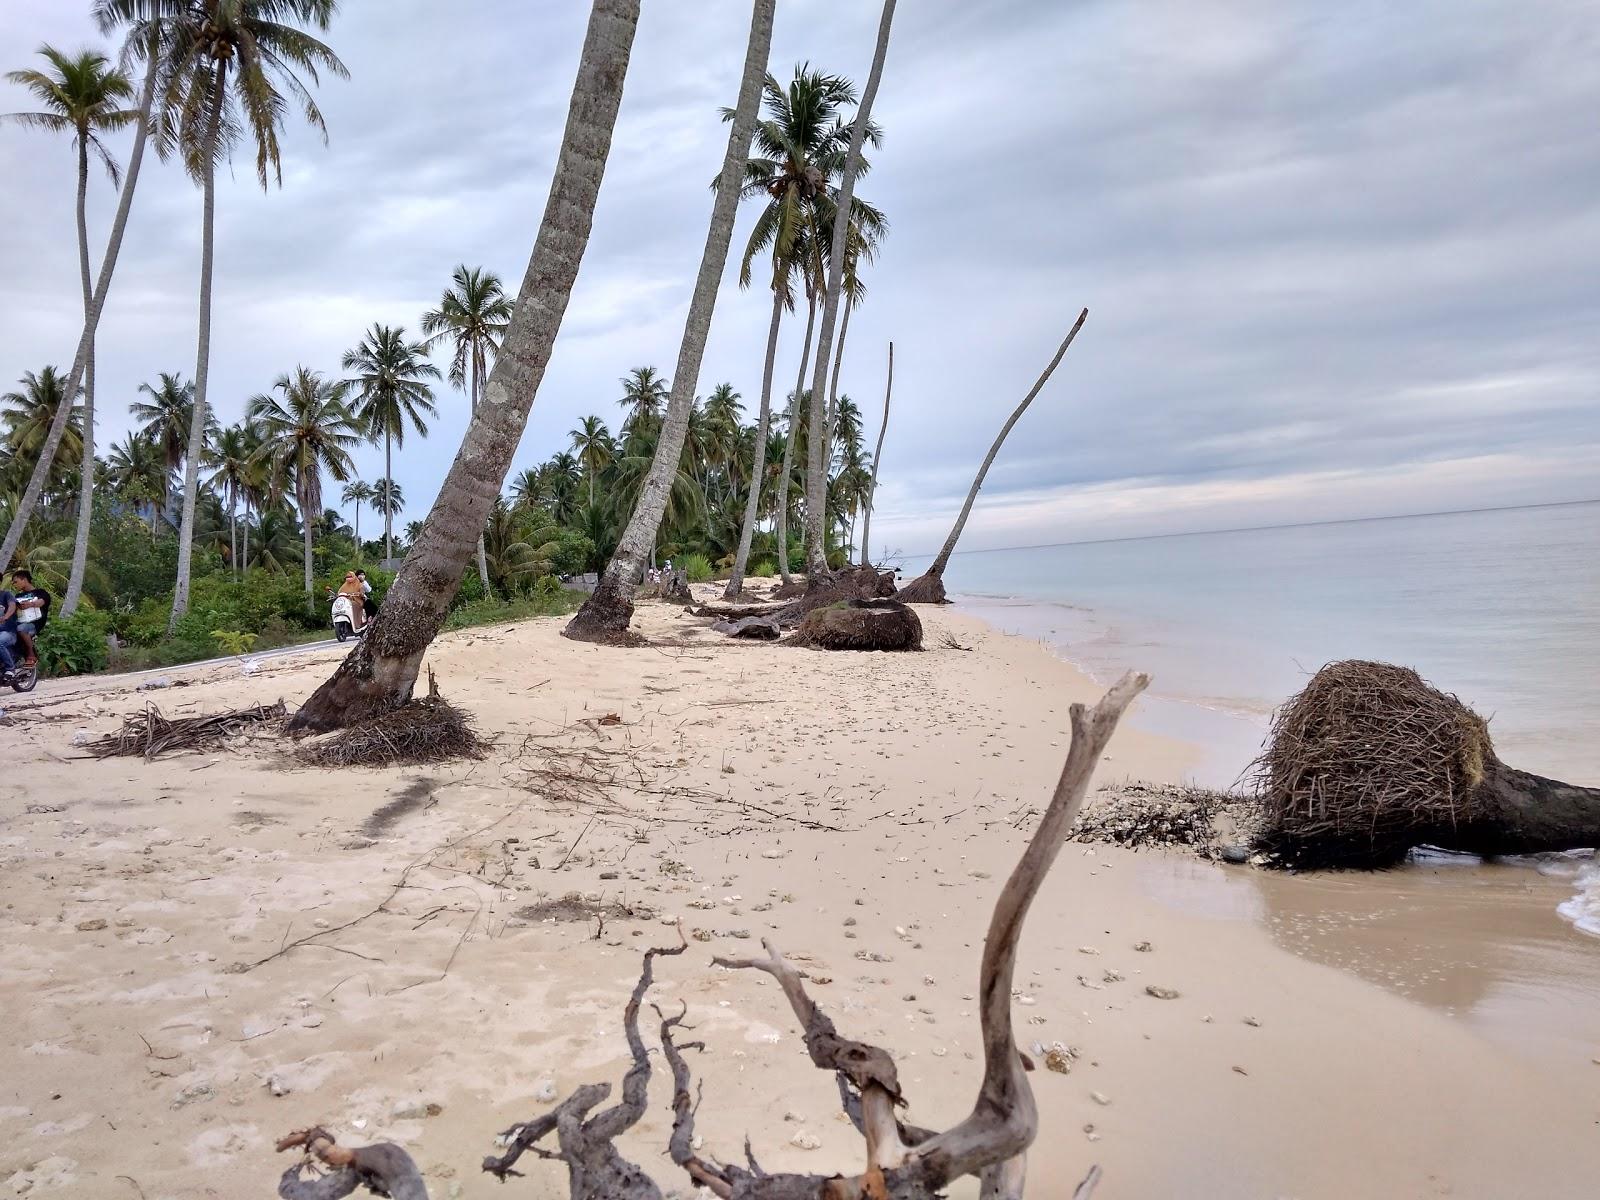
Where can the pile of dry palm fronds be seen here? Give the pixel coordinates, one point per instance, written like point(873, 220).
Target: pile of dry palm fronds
point(429, 730)
point(1366, 762)
point(150, 733)
point(1137, 815)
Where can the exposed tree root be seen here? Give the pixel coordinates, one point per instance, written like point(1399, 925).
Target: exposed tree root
point(924, 589)
point(860, 625)
point(604, 618)
point(430, 730)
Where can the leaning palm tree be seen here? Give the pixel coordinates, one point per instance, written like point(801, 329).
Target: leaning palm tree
point(591, 442)
point(473, 315)
point(229, 69)
point(307, 430)
point(606, 613)
point(357, 492)
point(382, 670)
point(231, 467)
point(166, 417)
point(928, 588)
point(834, 278)
point(877, 459)
point(391, 378)
point(147, 18)
point(85, 96)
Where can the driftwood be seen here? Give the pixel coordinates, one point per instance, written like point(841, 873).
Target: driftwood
point(902, 1162)
point(755, 628)
point(149, 733)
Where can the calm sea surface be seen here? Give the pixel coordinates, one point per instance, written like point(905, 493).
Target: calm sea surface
point(1500, 607)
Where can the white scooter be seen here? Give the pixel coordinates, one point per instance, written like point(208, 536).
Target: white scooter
point(344, 618)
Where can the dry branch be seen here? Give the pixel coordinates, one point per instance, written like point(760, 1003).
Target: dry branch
point(429, 730)
point(149, 733)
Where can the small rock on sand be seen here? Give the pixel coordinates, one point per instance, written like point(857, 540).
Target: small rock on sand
point(1143, 947)
point(1161, 993)
point(92, 925)
point(805, 1139)
point(416, 1110)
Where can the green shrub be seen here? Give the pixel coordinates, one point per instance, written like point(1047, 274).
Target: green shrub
point(547, 587)
point(573, 553)
point(764, 569)
point(232, 641)
point(276, 632)
point(695, 566)
point(74, 645)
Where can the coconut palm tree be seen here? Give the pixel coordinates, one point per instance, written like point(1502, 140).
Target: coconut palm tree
point(389, 501)
point(307, 430)
point(85, 96)
point(877, 459)
point(357, 492)
point(606, 613)
point(392, 381)
point(382, 670)
point(147, 18)
point(816, 472)
point(473, 315)
point(230, 69)
point(166, 417)
point(528, 486)
point(231, 462)
point(136, 473)
point(928, 588)
point(644, 395)
point(520, 542)
point(30, 414)
point(800, 148)
point(591, 442)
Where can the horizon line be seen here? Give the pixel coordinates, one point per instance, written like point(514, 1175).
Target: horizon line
point(1150, 537)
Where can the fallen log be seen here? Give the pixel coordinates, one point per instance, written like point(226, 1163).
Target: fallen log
point(860, 625)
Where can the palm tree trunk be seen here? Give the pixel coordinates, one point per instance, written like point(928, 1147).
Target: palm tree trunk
point(796, 414)
point(358, 524)
point(382, 670)
point(246, 554)
point(388, 502)
point(483, 558)
point(305, 547)
point(816, 465)
point(752, 504)
point(197, 422)
point(233, 533)
point(608, 610)
point(833, 384)
point(80, 362)
point(80, 540)
point(877, 457)
point(928, 588)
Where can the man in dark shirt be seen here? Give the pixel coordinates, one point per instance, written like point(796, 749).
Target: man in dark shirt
point(8, 630)
point(33, 609)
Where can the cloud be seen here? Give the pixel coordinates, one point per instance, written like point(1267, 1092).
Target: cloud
point(1335, 257)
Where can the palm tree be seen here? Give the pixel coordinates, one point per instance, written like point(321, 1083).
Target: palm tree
point(816, 471)
point(373, 680)
point(147, 18)
point(473, 314)
point(928, 588)
point(166, 417)
point(800, 148)
point(258, 484)
point(230, 460)
point(606, 613)
point(30, 416)
point(357, 492)
point(591, 442)
point(644, 395)
point(393, 381)
point(388, 500)
point(83, 96)
point(519, 542)
point(877, 459)
point(307, 430)
point(135, 472)
point(528, 486)
point(225, 68)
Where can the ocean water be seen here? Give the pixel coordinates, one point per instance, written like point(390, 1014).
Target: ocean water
point(1501, 607)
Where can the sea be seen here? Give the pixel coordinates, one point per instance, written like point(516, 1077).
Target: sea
point(1500, 607)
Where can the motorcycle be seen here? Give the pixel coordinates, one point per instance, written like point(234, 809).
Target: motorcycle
point(344, 618)
point(20, 678)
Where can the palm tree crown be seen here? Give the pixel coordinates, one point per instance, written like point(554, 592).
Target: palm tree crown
point(391, 378)
point(644, 395)
point(472, 315)
point(165, 417)
point(81, 94)
point(307, 430)
point(31, 410)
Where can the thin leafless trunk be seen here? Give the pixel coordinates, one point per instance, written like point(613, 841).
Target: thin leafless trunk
point(816, 460)
point(877, 457)
point(796, 415)
point(833, 384)
point(928, 588)
point(388, 501)
point(605, 615)
point(752, 505)
point(80, 362)
point(80, 540)
point(202, 368)
point(477, 384)
point(382, 670)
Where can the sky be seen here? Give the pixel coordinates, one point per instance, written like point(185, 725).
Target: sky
point(1339, 260)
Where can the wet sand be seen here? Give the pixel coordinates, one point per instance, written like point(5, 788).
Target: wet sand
point(862, 810)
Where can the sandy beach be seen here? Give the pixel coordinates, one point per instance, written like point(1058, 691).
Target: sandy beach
point(1330, 1037)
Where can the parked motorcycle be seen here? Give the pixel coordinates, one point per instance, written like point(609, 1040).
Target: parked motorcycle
point(344, 618)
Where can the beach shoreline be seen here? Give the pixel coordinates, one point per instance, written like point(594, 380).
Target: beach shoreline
point(163, 1030)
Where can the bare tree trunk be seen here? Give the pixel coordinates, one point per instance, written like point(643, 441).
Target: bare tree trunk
point(928, 588)
point(202, 369)
point(752, 505)
point(358, 509)
point(233, 533)
point(80, 539)
point(246, 540)
point(877, 457)
point(305, 544)
point(80, 362)
point(833, 384)
point(388, 501)
point(796, 413)
point(606, 613)
point(816, 470)
point(382, 670)
point(483, 558)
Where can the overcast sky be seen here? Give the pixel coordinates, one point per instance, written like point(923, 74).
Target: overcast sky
point(1340, 260)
